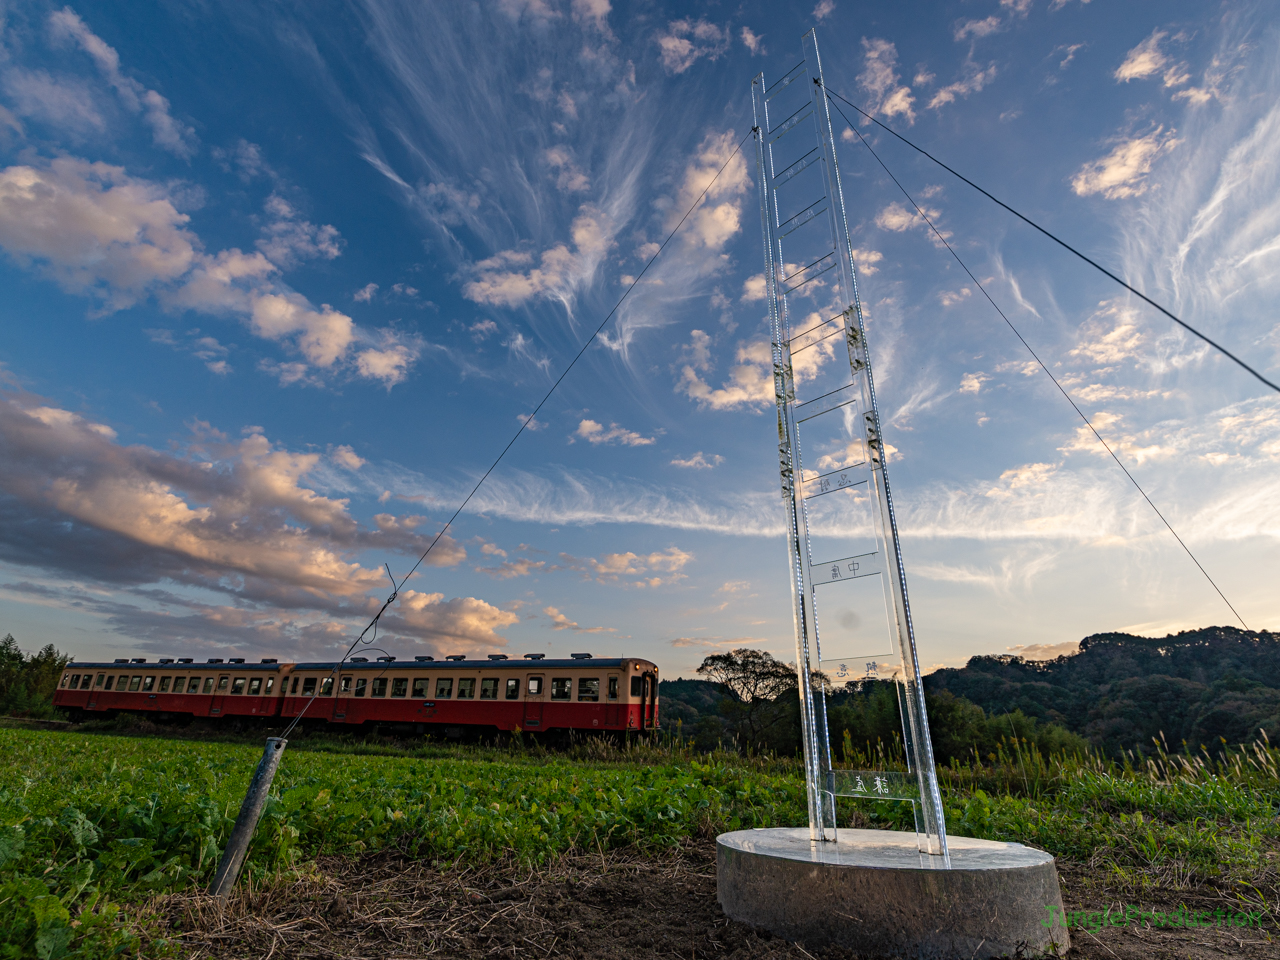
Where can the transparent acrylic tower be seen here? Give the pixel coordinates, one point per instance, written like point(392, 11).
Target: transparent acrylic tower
point(842, 536)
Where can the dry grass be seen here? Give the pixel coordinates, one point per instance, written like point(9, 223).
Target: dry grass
point(618, 905)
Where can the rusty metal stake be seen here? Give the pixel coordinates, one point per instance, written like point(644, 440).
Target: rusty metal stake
point(250, 811)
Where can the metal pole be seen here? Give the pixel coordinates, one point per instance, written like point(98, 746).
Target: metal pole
point(255, 799)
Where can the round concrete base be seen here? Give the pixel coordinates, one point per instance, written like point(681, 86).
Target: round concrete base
point(875, 894)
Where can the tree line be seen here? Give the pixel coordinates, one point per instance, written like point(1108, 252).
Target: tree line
point(748, 700)
point(1211, 687)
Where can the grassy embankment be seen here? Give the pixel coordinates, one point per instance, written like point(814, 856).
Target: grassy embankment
point(91, 827)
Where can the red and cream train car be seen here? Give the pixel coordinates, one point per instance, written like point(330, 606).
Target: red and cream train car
point(534, 693)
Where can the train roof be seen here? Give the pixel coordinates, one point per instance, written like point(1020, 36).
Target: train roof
point(607, 663)
point(172, 664)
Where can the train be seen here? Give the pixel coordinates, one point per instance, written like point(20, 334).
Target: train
point(451, 697)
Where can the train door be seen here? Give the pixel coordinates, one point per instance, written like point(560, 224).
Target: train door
point(219, 696)
point(535, 692)
point(612, 694)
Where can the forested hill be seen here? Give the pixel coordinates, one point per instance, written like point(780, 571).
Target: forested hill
point(1120, 691)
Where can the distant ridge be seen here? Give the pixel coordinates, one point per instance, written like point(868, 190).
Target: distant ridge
point(1198, 686)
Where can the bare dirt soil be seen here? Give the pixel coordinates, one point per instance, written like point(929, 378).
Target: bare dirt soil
point(619, 905)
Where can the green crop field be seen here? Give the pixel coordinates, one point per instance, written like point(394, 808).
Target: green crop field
point(92, 826)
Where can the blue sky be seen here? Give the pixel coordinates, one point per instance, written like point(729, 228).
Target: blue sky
point(281, 280)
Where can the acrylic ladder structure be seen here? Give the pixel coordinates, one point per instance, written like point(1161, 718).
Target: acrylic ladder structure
point(845, 560)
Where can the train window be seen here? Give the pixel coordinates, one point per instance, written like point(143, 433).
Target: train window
point(399, 686)
point(535, 686)
point(222, 683)
point(255, 686)
point(271, 685)
point(148, 684)
point(361, 683)
point(110, 682)
point(613, 688)
point(65, 678)
point(208, 686)
point(466, 688)
point(420, 685)
point(164, 684)
point(295, 685)
point(237, 686)
point(513, 689)
point(637, 686)
point(344, 686)
point(561, 688)
point(326, 687)
point(379, 687)
point(97, 683)
point(75, 680)
point(121, 683)
point(309, 687)
point(178, 684)
point(589, 688)
point(444, 688)
point(489, 688)
point(135, 684)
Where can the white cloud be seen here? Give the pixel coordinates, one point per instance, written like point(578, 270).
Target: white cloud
point(754, 288)
point(167, 132)
point(687, 41)
point(560, 622)
point(509, 569)
point(287, 239)
point(614, 566)
point(949, 298)
point(978, 28)
point(63, 102)
point(972, 382)
point(823, 10)
point(595, 12)
point(752, 41)
point(467, 624)
point(897, 218)
point(94, 229)
point(569, 178)
point(750, 383)
point(879, 77)
point(976, 78)
point(560, 271)
point(595, 433)
point(1110, 336)
point(346, 457)
point(365, 293)
point(1123, 172)
point(390, 359)
point(713, 224)
point(322, 336)
point(699, 461)
point(481, 330)
point(1144, 60)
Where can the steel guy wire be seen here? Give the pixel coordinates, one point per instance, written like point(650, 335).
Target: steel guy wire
point(1062, 243)
point(1043, 367)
